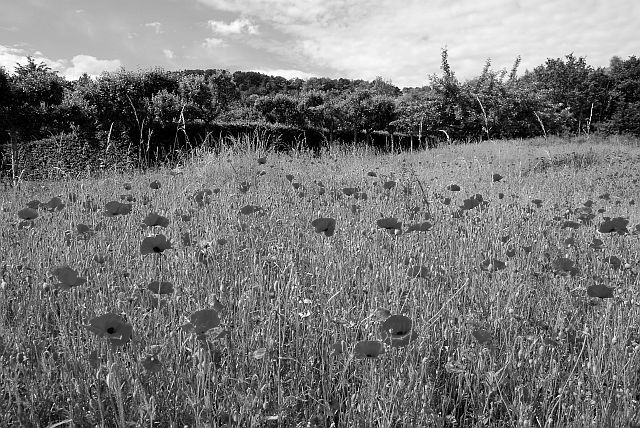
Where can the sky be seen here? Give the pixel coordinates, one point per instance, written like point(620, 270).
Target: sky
point(398, 40)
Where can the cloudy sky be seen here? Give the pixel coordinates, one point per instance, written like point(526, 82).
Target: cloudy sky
point(399, 40)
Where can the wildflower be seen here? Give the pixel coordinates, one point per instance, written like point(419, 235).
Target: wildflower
point(202, 321)
point(453, 187)
point(154, 219)
point(368, 349)
point(155, 244)
point(155, 185)
point(160, 287)
point(68, 278)
point(117, 331)
point(617, 224)
point(491, 265)
point(600, 290)
point(28, 214)
point(496, 177)
point(250, 209)
point(398, 330)
point(326, 225)
point(482, 336)
point(388, 185)
point(115, 208)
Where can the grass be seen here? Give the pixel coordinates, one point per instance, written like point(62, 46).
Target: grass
point(525, 345)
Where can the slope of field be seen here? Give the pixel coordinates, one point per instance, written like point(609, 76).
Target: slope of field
point(479, 285)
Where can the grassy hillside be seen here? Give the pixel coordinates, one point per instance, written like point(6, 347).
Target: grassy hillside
point(518, 307)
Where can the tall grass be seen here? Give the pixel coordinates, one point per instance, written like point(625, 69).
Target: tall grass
point(521, 346)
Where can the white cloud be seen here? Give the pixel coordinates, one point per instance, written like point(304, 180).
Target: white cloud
point(402, 42)
point(90, 65)
point(213, 42)
point(168, 53)
point(239, 26)
point(286, 73)
point(157, 26)
point(70, 69)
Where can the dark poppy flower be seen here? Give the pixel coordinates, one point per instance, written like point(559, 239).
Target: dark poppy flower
point(115, 208)
point(28, 214)
point(127, 186)
point(397, 330)
point(155, 244)
point(155, 185)
point(537, 202)
point(54, 204)
point(262, 160)
point(349, 191)
point(289, 177)
point(34, 205)
point(368, 349)
point(453, 187)
point(202, 321)
point(372, 174)
point(419, 227)
point(128, 198)
point(600, 290)
point(564, 266)
point(160, 287)
point(388, 185)
point(617, 224)
point(68, 278)
point(112, 326)
point(597, 244)
point(250, 209)
point(326, 225)
point(151, 363)
point(389, 223)
point(496, 177)
point(154, 219)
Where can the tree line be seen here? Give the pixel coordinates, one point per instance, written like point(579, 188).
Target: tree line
point(562, 96)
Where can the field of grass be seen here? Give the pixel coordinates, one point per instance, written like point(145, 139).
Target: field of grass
point(423, 305)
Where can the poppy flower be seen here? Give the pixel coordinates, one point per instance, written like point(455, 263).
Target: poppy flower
point(372, 174)
point(453, 187)
point(614, 261)
point(389, 223)
point(564, 266)
point(68, 278)
point(289, 177)
point(326, 225)
point(473, 202)
point(388, 185)
point(397, 329)
point(155, 244)
point(617, 224)
point(597, 244)
point(160, 287)
point(496, 177)
point(155, 185)
point(127, 186)
point(34, 205)
point(349, 191)
point(128, 198)
point(250, 209)
point(419, 227)
point(54, 204)
point(537, 202)
point(511, 252)
point(600, 290)
point(202, 321)
point(115, 208)
point(262, 160)
point(28, 214)
point(382, 314)
point(151, 363)
point(154, 219)
point(112, 326)
point(368, 349)
point(361, 195)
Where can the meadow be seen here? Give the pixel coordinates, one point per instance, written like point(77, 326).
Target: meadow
point(479, 285)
